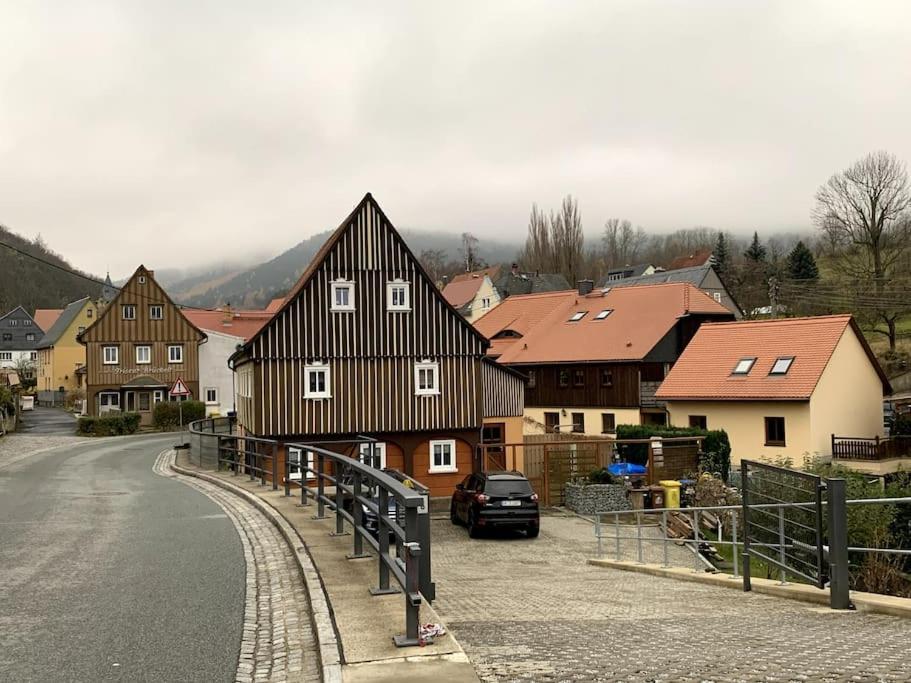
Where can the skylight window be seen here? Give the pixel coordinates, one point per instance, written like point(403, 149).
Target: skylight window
point(744, 365)
point(603, 314)
point(782, 365)
point(576, 317)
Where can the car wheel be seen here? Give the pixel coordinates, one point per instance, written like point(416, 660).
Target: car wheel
point(533, 531)
point(473, 529)
point(453, 517)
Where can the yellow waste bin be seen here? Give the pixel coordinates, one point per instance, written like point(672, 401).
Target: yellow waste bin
point(671, 493)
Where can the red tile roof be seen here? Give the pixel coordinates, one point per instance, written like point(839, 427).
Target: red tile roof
point(703, 371)
point(243, 324)
point(46, 317)
point(461, 292)
point(640, 318)
point(699, 258)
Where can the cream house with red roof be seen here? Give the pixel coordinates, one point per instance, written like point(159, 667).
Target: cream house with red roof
point(779, 388)
point(595, 358)
point(473, 294)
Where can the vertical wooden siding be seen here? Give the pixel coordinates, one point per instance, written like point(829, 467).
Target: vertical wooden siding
point(503, 392)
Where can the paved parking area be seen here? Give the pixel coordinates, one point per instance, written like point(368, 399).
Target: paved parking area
point(531, 609)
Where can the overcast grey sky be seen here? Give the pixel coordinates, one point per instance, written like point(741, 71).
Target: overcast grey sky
point(177, 133)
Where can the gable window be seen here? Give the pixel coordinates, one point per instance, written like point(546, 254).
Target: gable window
point(143, 355)
point(442, 456)
point(316, 382)
point(13, 323)
point(30, 337)
point(579, 423)
point(88, 313)
point(485, 302)
point(295, 462)
point(128, 312)
point(111, 355)
point(579, 378)
point(551, 422)
point(774, 431)
point(717, 296)
point(342, 296)
point(156, 312)
point(398, 296)
point(379, 451)
point(607, 378)
point(142, 279)
point(743, 367)
point(81, 329)
point(608, 423)
point(211, 395)
point(781, 365)
point(26, 323)
point(426, 378)
point(576, 317)
point(698, 422)
point(175, 353)
point(7, 336)
point(563, 378)
point(603, 314)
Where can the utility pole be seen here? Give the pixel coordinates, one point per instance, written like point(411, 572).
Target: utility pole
point(773, 295)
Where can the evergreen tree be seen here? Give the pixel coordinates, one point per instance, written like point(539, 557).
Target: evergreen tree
point(720, 255)
point(756, 252)
point(801, 264)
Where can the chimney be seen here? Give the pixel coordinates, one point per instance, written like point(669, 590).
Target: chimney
point(586, 287)
point(515, 270)
point(227, 314)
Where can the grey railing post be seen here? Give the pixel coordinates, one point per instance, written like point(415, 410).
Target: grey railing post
point(339, 502)
point(745, 501)
point(839, 589)
point(383, 541)
point(287, 472)
point(734, 540)
point(782, 558)
point(696, 564)
point(639, 537)
point(357, 511)
point(218, 454)
point(617, 534)
point(428, 587)
point(274, 467)
point(412, 594)
point(320, 486)
point(664, 524)
point(598, 532)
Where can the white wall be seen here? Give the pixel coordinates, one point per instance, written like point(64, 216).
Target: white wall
point(17, 356)
point(214, 371)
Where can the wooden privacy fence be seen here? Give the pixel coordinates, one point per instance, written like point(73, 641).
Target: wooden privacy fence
point(551, 460)
point(856, 448)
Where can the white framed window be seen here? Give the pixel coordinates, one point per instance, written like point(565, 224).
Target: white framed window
point(156, 312)
point(485, 302)
point(426, 378)
point(128, 312)
point(175, 353)
point(316, 382)
point(603, 314)
point(26, 323)
point(295, 458)
point(111, 355)
point(576, 317)
point(109, 400)
point(342, 296)
point(398, 296)
point(717, 296)
point(88, 313)
point(211, 395)
point(443, 456)
point(142, 279)
point(33, 355)
point(81, 329)
point(378, 449)
point(6, 355)
point(30, 337)
point(158, 396)
point(13, 322)
point(782, 365)
point(143, 355)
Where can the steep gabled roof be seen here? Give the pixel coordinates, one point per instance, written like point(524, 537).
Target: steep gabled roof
point(698, 258)
point(510, 284)
point(327, 248)
point(62, 323)
point(704, 370)
point(242, 324)
point(461, 292)
point(542, 331)
point(46, 317)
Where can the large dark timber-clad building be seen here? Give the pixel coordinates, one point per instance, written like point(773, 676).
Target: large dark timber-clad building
point(366, 345)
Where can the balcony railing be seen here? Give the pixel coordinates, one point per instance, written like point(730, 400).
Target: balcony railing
point(859, 448)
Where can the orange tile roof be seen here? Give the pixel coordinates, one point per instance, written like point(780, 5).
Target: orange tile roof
point(243, 324)
point(275, 304)
point(641, 317)
point(698, 258)
point(459, 293)
point(490, 272)
point(703, 371)
point(46, 317)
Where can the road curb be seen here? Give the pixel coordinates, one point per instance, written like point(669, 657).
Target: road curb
point(321, 615)
point(864, 602)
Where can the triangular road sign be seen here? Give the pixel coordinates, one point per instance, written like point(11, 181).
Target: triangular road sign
point(179, 388)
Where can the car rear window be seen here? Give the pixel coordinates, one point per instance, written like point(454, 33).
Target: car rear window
point(507, 487)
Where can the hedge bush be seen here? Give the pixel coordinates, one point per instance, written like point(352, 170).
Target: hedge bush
point(167, 413)
point(716, 447)
point(109, 424)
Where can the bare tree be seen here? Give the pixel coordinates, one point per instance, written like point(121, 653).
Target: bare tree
point(555, 244)
point(470, 252)
point(434, 262)
point(622, 243)
point(864, 212)
point(538, 253)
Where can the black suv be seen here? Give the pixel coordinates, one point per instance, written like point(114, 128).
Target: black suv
point(495, 499)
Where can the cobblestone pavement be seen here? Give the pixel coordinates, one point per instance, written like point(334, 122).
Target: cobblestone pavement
point(531, 609)
point(16, 447)
point(278, 642)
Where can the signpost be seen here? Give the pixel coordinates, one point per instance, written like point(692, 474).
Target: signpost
point(180, 390)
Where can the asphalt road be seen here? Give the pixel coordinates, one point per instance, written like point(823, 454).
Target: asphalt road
point(51, 421)
point(111, 572)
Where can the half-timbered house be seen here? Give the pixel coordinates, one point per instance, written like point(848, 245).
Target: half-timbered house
point(136, 349)
point(365, 344)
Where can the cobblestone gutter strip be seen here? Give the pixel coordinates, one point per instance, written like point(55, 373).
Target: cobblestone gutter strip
point(867, 602)
point(321, 614)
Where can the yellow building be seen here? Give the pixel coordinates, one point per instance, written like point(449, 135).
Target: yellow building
point(779, 388)
point(60, 356)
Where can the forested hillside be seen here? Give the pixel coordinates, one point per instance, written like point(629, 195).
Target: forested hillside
point(32, 284)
